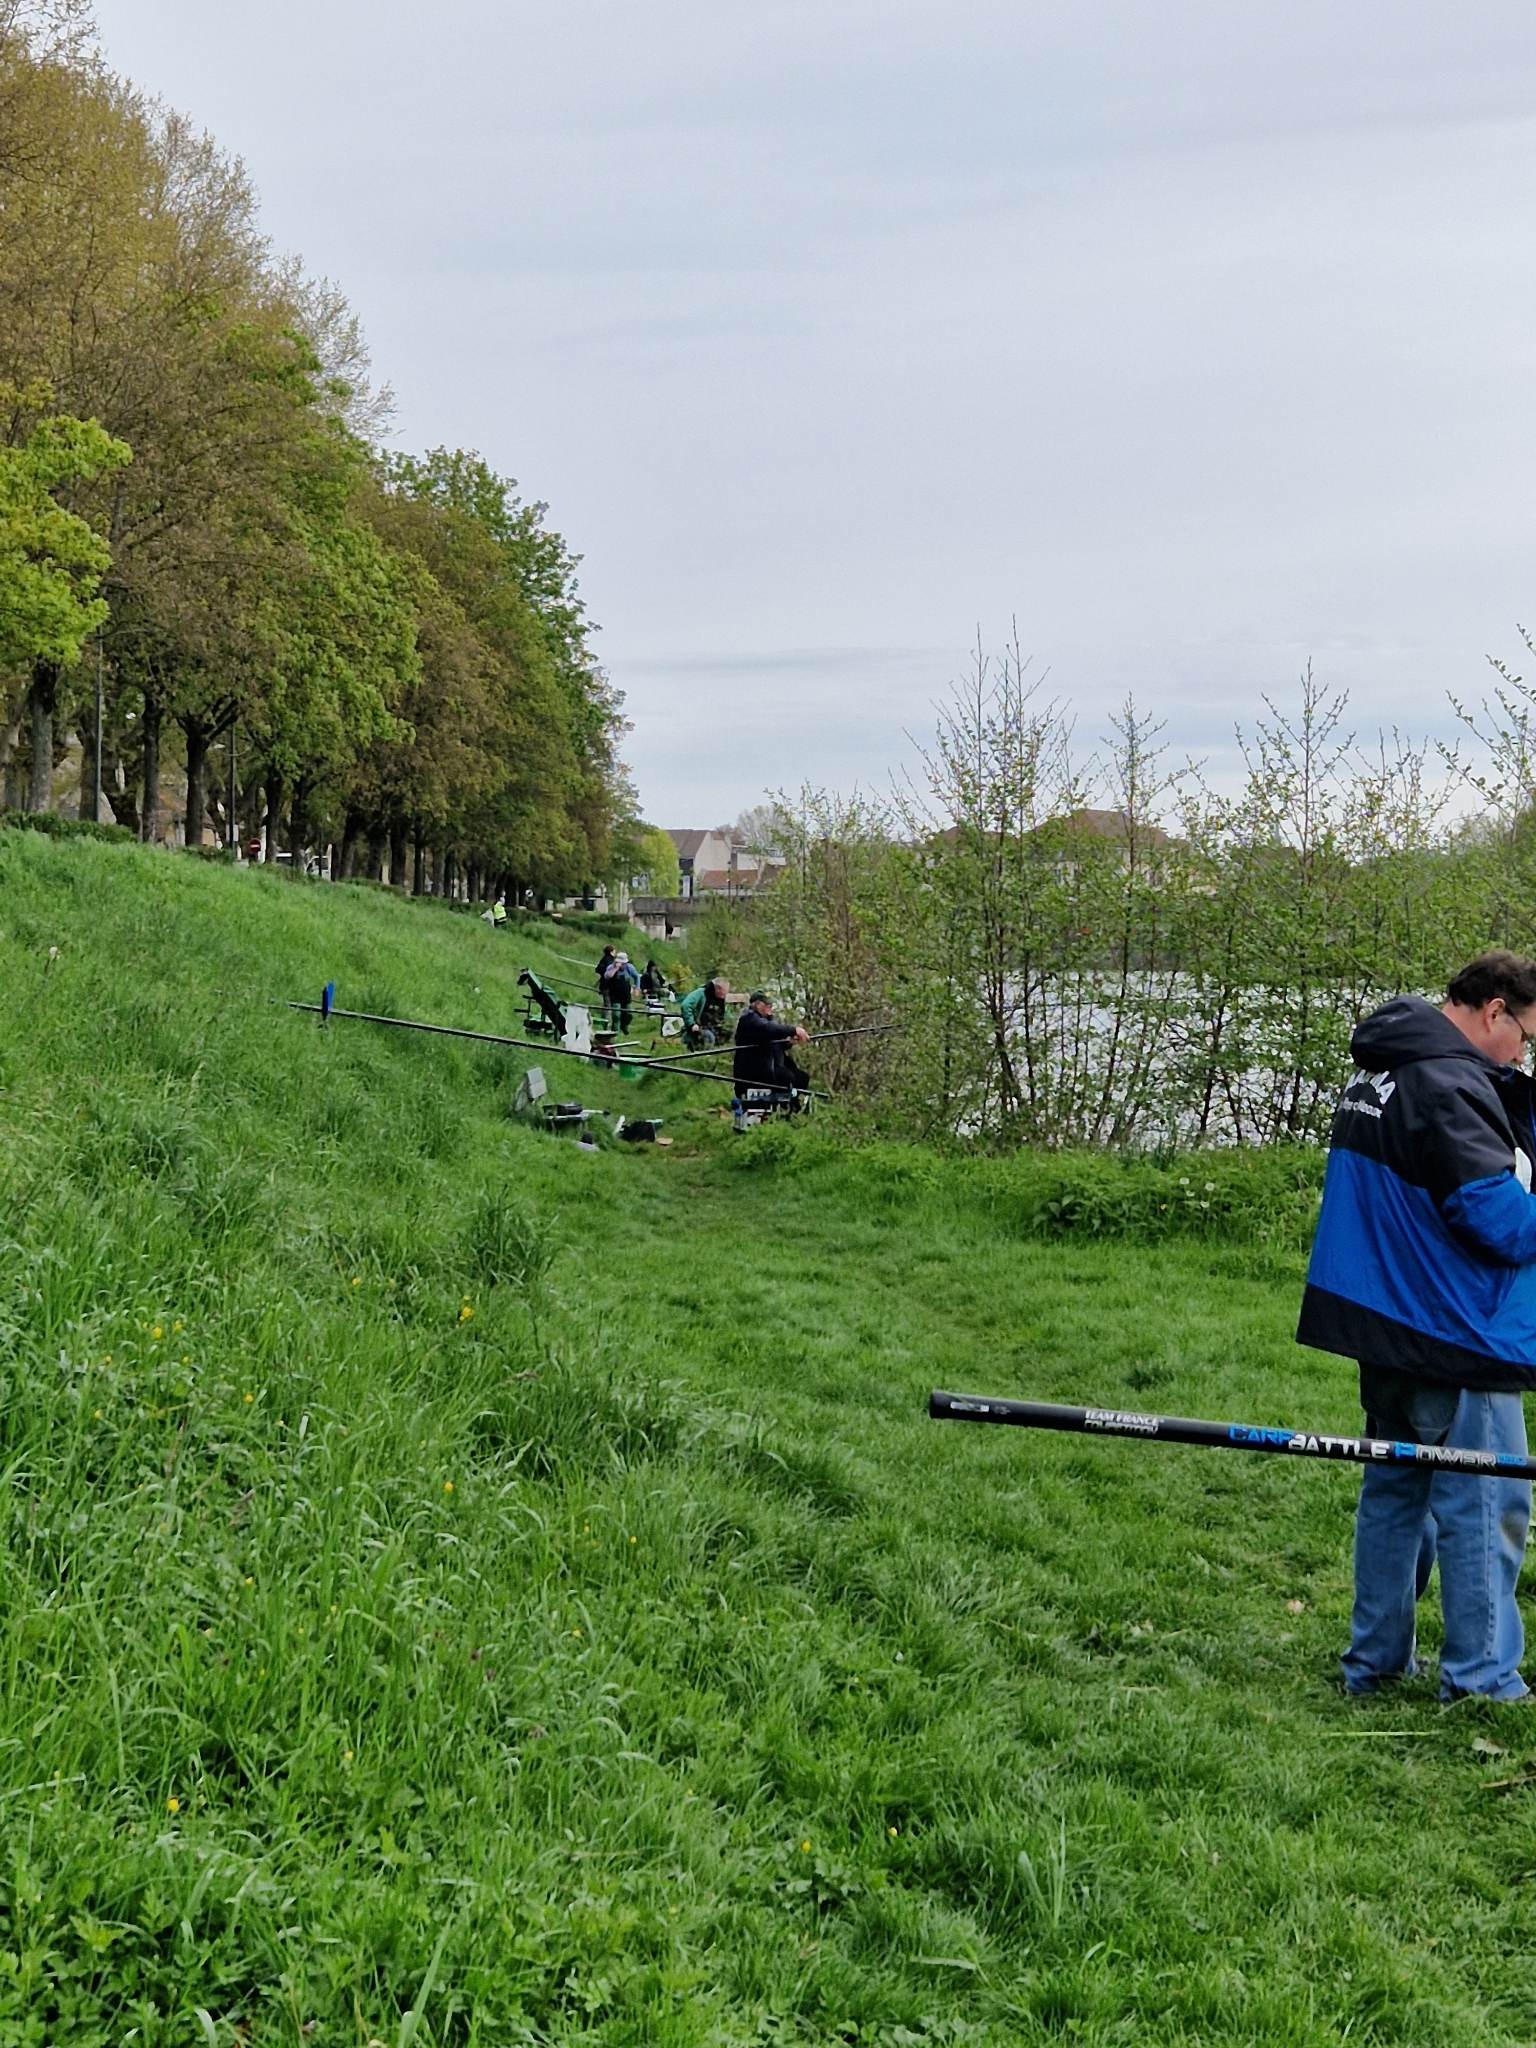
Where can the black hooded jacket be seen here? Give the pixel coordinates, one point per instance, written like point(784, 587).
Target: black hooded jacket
point(1425, 1254)
point(760, 1047)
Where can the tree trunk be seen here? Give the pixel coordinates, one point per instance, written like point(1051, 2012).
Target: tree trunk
point(398, 879)
point(271, 823)
point(197, 780)
point(350, 833)
point(44, 702)
point(231, 790)
point(298, 822)
point(149, 815)
point(418, 864)
point(90, 768)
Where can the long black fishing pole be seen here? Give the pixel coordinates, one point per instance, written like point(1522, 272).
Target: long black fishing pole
point(565, 981)
point(673, 1059)
point(593, 1059)
point(1227, 1436)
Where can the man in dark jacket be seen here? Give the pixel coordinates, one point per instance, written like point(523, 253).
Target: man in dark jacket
point(1424, 1270)
point(761, 1059)
point(619, 986)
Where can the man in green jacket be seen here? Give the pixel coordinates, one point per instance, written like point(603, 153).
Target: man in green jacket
point(703, 1011)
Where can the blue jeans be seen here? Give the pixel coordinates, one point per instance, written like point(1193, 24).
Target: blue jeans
point(1410, 1517)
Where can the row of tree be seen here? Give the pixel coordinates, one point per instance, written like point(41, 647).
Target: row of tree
point(200, 533)
point(1105, 950)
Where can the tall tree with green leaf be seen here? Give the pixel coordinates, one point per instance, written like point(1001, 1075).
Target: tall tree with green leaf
point(51, 562)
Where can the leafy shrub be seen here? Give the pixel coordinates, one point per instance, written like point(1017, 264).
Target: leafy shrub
point(603, 924)
point(54, 826)
point(1265, 1196)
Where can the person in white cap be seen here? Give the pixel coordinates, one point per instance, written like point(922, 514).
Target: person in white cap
point(619, 986)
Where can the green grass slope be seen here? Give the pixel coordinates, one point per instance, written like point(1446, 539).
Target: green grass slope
point(461, 1589)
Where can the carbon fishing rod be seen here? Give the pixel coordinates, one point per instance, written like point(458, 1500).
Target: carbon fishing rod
point(1227, 1436)
point(673, 1059)
point(564, 981)
point(325, 1011)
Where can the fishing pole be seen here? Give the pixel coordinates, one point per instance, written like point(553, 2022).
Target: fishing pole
point(1228, 1436)
point(673, 1059)
point(325, 1011)
point(565, 981)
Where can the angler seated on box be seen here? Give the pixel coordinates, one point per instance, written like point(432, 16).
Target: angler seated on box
point(761, 1065)
point(703, 1014)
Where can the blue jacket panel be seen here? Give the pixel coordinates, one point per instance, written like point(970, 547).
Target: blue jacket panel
point(1425, 1255)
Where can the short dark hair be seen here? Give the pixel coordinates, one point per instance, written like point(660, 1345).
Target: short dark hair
point(1510, 975)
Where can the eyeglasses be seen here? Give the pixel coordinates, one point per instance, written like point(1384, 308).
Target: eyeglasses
point(1526, 1037)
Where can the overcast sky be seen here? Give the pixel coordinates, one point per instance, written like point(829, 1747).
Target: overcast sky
point(1200, 337)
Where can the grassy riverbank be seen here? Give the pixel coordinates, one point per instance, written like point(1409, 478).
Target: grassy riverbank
point(459, 1589)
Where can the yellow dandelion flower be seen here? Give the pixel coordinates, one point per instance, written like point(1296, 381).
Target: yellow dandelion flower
point(346, 1756)
point(805, 1848)
point(96, 1414)
point(892, 1832)
point(357, 1279)
point(249, 1399)
point(248, 1580)
point(173, 1805)
point(634, 1539)
point(465, 1313)
point(447, 1486)
point(157, 1333)
point(177, 1328)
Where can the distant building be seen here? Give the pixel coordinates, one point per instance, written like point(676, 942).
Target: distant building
point(1116, 825)
point(712, 864)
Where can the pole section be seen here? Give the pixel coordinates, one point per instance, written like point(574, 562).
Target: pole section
point(1226, 1436)
point(592, 1059)
point(727, 1046)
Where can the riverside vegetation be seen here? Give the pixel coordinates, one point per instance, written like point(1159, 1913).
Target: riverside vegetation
point(459, 1589)
point(1098, 947)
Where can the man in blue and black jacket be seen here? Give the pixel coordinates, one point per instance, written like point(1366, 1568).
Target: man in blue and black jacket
point(1424, 1270)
